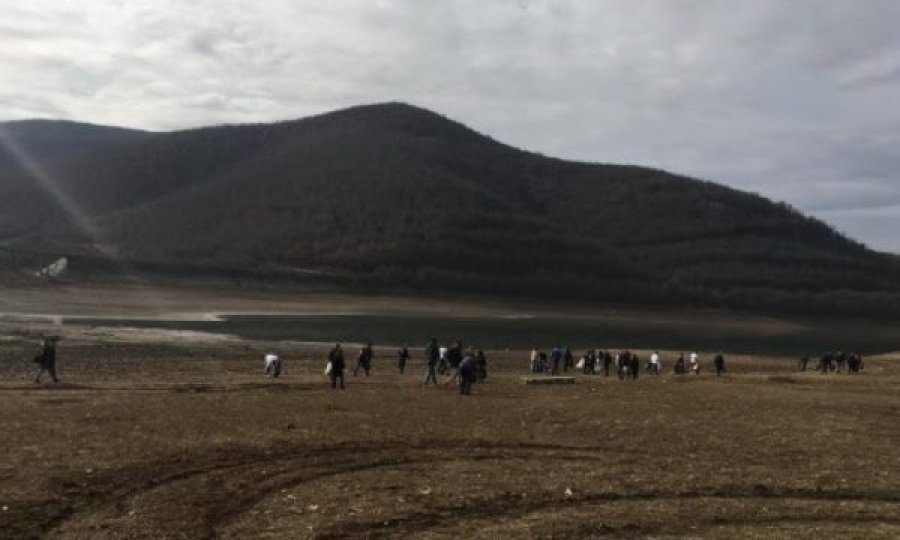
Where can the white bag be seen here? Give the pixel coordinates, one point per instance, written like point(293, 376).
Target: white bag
point(580, 364)
point(328, 369)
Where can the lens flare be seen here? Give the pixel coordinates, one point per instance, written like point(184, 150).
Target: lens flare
point(76, 215)
point(51, 187)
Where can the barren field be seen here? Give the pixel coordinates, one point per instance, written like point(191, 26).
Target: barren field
point(164, 433)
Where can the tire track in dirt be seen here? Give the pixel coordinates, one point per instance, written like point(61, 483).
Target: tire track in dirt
point(178, 388)
point(298, 465)
point(515, 507)
point(226, 514)
point(113, 489)
point(119, 485)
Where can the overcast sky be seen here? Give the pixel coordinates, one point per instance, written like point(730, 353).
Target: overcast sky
point(797, 100)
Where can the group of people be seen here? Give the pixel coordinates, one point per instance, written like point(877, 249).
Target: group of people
point(463, 366)
point(626, 364)
point(541, 362)
point(468, 366)
point(834, 362)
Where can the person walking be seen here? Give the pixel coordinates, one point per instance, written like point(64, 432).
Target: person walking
point(590, 360)
point(556, 356)
point(695, 363)
point(454, 359)
point(635, 366)
point(402, 357)
point(46, 359)
point(607, 362)
point(854, 363)
point(655, 363)
point(719, 364)
point(442, 363)
point(534, 360)
point(336, 359)
point(364, 360)
point(825, 363)
point(623, 363)
point(481, 365)
point(568, 360)
point(432, 355)
point(679, 364)
point(467, 373)
point(802, 363)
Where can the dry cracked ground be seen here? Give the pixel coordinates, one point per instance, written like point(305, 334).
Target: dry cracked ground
point(174, 438)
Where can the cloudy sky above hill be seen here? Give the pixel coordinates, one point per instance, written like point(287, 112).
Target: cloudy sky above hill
point(795, 100)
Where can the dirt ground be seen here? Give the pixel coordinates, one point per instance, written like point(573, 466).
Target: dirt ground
point(169, 435)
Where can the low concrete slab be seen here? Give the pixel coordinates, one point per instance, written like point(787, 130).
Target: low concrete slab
point(548, 380)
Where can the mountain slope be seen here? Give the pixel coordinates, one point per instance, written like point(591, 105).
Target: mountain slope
point(29, 149)
point(393, 194)
point(55, 140)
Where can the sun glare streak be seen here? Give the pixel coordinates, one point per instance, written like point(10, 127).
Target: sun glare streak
point(49, 185)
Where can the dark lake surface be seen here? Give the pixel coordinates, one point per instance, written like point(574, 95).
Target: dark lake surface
point(543, 332)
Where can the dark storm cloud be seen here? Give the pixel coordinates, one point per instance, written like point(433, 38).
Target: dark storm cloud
point(793, 100)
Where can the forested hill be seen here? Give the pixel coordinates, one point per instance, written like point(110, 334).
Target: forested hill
point(54, 140)
point(396, 196)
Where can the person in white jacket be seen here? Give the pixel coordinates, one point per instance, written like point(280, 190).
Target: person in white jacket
point(655, 364)
point(695, 363)
point(273, 365)
point(442, 367)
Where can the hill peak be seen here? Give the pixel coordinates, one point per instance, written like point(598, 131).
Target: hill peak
point(403, 117)
point(389, 108)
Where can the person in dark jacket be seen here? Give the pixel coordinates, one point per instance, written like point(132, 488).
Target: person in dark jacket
point(454, 359)
point(481, 365)
point(568, 360)
point(804, 360)
point(623, 364)
point(590, 360)
point(607, 362)
point(719, 364)
point(468, 373)
point(543, 363)
point(854, 363)
point(556, 356)
point(364, 360)
point(679, 364)
point(402, 357)
point(336, 358)
point(432, 355)
point(46, 359)
point(635, 366)
point(840, 360)
point(826, 363)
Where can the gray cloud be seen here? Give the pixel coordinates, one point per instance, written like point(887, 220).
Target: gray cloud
point(795, 100)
